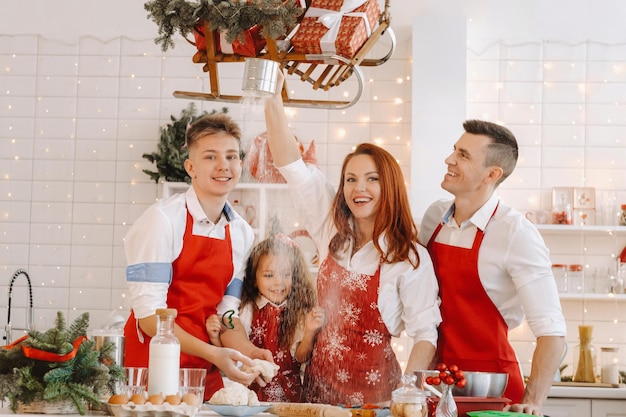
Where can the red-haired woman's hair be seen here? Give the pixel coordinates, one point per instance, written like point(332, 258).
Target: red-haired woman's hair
point(393, 219)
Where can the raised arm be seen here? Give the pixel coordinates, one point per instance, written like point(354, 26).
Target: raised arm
point(283, 144)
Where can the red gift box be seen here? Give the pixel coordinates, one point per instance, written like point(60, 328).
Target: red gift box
point(252, 44)
point(336, 27)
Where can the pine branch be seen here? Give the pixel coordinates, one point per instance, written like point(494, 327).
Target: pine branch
point(81, 379)
point(277, 17)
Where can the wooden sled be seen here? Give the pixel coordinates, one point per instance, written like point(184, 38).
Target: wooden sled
point(322, 71)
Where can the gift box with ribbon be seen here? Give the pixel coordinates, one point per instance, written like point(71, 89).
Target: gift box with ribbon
point(252, 44)
point(336, 27)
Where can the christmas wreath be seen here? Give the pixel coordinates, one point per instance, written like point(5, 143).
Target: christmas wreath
point(233, 17)
point(61, 364)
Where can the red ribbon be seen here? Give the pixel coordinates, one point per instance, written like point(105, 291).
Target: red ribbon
point(42, 355)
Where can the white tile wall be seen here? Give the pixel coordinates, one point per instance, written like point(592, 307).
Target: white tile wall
point(565, 103)
point(75, 118)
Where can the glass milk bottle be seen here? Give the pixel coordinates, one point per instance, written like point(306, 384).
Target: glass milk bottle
point(164, 356)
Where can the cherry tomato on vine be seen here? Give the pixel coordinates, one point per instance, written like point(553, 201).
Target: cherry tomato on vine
point(441, 366)
point(449, 380)
point(461, 383)
point(436, 381)
point(453, 368)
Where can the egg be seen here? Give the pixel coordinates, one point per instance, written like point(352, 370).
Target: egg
point(172, 399)
point(191, 399)
point(155, 399)
point(138, 398)
point(118, 399)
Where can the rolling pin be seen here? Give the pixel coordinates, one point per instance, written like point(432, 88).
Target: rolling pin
point(307, 410)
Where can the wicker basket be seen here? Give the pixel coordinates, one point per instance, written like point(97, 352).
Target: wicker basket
point(47, 407)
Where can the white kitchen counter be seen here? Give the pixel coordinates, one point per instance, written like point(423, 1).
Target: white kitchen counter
point(585, 392)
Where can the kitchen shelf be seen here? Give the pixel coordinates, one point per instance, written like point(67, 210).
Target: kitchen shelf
point(592, 297)
point(571, 229)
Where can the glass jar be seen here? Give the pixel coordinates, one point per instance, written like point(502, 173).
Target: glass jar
point(609, 366)
point(576, 279)
point(408, 400)
point(585, 370)
point(559, 271)
point(562, 212)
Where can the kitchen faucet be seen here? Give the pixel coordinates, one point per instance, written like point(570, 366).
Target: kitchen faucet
point(29, 312)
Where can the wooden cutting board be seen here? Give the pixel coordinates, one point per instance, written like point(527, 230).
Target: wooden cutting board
point(585, 384)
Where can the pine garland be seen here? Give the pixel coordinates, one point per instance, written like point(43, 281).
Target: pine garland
point(171, 151)
point(82, 379)
point(234, 17)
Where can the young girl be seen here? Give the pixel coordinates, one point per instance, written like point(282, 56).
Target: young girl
point(279, 312)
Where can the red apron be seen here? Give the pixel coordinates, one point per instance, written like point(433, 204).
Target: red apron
point(353, 361)
point(286, 385)
point(472, 333)
point(200, 276)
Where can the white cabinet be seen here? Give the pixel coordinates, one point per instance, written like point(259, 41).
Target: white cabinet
point(267, 207)
point(584, 407)
point(608, 408)
point(567, 407)
point(596, 248)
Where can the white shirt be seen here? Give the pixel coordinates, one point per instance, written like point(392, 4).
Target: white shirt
point(513, 262)
point(156, 239)
point(408, 298)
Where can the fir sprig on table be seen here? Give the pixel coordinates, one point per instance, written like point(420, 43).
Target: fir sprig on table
point(276, 17)
point(81, 379)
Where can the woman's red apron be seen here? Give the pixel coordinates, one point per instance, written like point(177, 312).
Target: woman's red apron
point(472, 333)
point(286, 385)
point(353, 361)
point(200, 276)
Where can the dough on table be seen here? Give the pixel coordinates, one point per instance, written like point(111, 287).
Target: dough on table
point(234, 394)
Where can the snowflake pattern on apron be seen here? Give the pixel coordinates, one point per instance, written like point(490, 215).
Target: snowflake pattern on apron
point(286, 385)
point(352, 360)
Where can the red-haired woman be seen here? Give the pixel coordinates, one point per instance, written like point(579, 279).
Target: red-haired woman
point(375, 280)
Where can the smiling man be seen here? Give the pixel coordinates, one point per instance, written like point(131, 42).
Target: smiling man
point(493, 269)
point(188, 252)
